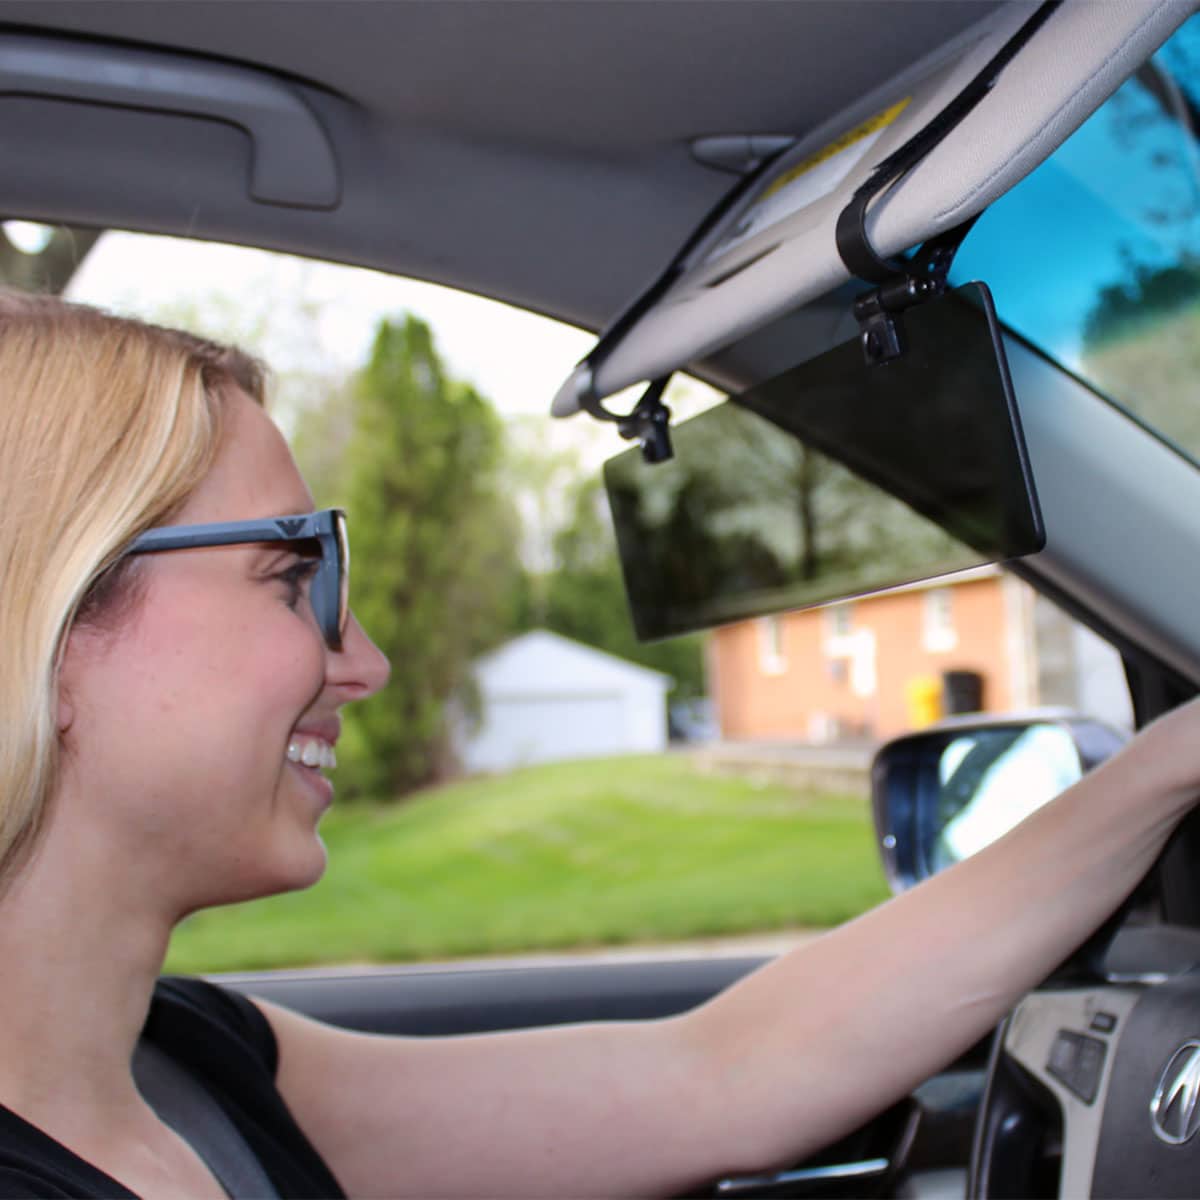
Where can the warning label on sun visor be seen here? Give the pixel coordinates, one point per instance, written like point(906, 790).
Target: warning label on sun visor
point(807, 181)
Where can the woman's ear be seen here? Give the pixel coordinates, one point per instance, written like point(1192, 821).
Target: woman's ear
point(67, 666)
point(66, 710)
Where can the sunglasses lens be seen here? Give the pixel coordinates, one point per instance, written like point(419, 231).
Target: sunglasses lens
point(343, 553)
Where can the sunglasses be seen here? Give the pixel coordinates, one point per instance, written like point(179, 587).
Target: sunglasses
point(330, 585)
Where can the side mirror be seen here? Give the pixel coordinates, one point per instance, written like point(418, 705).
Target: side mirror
point(941, 794)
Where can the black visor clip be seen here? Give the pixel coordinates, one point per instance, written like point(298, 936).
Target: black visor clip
point(648, 423)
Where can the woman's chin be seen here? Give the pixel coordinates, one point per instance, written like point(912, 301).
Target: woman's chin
point(316, 869)
point(303, 869)
point(299, 868)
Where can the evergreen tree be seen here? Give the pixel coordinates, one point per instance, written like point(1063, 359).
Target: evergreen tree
point(434, 552)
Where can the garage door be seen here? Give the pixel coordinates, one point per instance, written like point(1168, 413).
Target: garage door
point(521, 730)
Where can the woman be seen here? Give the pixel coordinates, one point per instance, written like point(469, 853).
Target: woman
point(175, 660)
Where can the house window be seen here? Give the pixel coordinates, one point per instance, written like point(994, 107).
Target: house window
point(849, 652)
point(839, 618)
point(771, 659)
point(839, 641)
point(938, 633)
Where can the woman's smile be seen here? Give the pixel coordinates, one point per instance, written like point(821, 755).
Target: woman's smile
point(311, 751)
point(307, 756)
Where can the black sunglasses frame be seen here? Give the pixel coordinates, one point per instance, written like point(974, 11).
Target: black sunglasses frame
point(331, 583)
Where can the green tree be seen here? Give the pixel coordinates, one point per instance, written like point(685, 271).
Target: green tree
point(321, 442)
point(435, 552)
point(1148, 297)
point(584, 596)
point(541, 478)
point(50, 268)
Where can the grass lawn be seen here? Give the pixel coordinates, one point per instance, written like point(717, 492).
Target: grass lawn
point(567, 855)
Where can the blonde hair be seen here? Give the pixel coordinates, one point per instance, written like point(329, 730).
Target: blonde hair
point(106, 426)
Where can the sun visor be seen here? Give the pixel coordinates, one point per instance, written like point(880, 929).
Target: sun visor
point(775, 248)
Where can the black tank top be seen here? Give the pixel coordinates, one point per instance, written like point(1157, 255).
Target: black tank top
point(226, 1042)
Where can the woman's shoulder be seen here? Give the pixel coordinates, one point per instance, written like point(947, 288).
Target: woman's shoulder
point(193, 1018)
point(224, 1039)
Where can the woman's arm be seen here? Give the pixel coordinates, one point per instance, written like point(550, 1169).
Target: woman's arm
point(785, 1061)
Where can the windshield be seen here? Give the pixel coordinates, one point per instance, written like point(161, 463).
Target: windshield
point(1095, 257)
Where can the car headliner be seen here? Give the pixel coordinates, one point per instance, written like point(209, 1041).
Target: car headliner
point(537, 151)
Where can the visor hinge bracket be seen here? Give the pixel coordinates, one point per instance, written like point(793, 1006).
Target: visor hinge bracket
point(923, 278)
point(878, 311)
point(648, 423)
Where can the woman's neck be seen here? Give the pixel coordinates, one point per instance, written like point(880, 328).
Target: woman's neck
point(81, 957)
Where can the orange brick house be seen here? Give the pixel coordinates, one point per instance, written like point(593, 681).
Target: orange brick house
point(875, 667)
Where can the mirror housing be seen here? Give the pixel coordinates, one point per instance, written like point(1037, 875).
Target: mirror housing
point(947, 791)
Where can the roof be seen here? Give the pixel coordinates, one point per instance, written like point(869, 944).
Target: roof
point(547, 663)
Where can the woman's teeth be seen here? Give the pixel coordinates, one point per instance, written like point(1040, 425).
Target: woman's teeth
point(311, 752)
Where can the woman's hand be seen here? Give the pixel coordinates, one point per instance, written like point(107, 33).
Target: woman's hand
point(1165, 757)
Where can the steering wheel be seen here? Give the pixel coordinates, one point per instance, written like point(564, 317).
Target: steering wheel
point(1094, 1091)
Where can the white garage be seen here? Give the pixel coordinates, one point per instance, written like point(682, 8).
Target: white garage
point(544, 698)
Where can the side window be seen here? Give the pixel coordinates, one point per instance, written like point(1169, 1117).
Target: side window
point(534, 779)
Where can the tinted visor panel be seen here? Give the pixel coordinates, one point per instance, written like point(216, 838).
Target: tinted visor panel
point(773, 501)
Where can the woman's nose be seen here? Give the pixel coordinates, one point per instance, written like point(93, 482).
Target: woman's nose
point(360, 667)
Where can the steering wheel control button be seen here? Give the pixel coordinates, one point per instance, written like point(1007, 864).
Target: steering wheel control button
point(1103, 1022)
point(1175, 1111)
point(1063, 1055)
point(1077, 1061)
